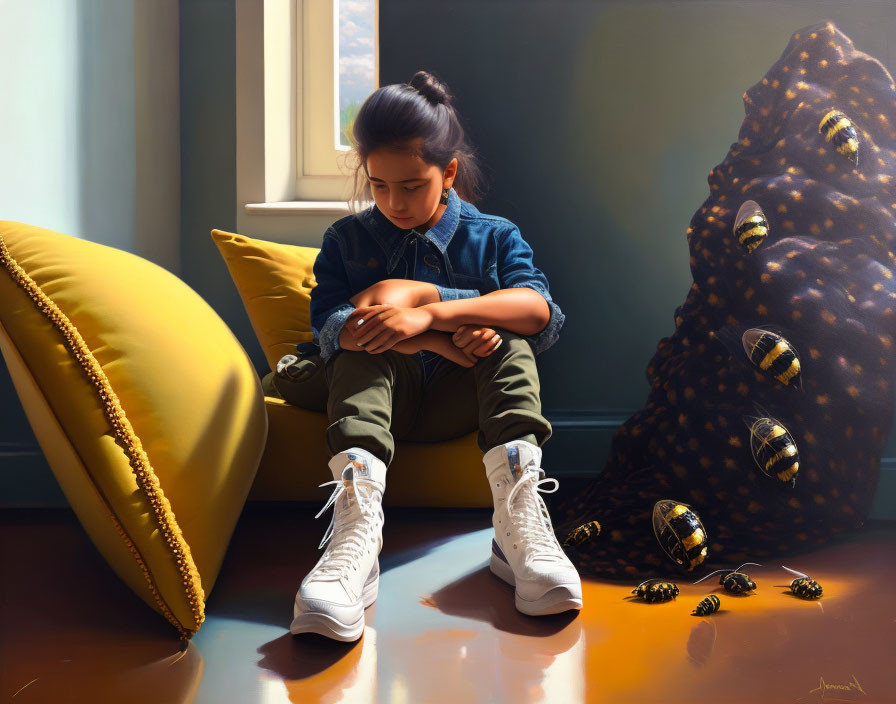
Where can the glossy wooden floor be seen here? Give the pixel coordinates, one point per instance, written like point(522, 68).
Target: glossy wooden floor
point(444, 629)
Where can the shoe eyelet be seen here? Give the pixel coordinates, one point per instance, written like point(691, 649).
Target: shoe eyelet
point(508, 535)
point(514, 547)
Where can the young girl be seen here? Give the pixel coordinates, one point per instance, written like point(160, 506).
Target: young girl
point(428, 315)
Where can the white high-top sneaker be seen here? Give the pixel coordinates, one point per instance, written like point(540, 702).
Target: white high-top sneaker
point(345, 581)
point(525, 551)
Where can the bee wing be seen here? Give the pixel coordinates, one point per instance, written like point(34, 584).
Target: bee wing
point(749, 421)
point(760, 409)
point(798, 574)
point(730, 337)
point(777, 329)
point(781, 418)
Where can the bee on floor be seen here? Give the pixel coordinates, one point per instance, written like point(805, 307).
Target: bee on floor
point(680, 533)
point(707, 606)
point(582, 533)
point(750, 226)
point(804, 586)
point(838, 129)
point(734, 581)
point(653, 591)
point(773, 447)
point(774, 355)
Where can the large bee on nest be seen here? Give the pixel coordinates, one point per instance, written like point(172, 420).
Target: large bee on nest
point(582, 533)
point(750, 226)
point(773, 447)
point(734, 581)
point(680, 533)
point(654, 591)
point(839, 130)
point(768, 351)
point(803, 586)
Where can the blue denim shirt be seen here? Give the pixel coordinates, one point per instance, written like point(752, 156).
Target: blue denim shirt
point(465, 254)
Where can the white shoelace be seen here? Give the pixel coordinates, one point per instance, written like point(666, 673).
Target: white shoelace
point(535, 526)
point(349, 540)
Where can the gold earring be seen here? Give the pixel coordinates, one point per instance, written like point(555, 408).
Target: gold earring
point(444, 198)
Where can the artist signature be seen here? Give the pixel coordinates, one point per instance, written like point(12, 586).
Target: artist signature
point(824, 688)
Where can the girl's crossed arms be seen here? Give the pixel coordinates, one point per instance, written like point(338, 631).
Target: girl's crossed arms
point(408, 316)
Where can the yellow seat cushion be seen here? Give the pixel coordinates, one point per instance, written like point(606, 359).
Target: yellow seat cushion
point(147, 408)
point(274, 281)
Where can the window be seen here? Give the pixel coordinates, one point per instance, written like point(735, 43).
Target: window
point(357, 61)
point(339, 65)
point(303, 69)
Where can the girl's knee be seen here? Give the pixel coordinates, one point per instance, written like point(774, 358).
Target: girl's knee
point(512, 345)
point(512, 339)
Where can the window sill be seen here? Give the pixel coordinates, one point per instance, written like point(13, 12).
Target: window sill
point(298, 207)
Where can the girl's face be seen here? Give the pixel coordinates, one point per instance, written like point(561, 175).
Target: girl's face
point(406, 189)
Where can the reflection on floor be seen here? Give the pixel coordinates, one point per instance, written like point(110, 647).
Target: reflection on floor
point(444, 629)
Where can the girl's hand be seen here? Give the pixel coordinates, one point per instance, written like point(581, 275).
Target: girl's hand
point(476, 341)
point(385, 324)
point(455, 354)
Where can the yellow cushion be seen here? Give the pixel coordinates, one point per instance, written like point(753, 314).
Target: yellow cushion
point(275, 281)
point(147, 408)
point(453, 473)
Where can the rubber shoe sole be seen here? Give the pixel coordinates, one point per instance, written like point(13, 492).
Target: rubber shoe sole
point(557, 600)
point(326, 625)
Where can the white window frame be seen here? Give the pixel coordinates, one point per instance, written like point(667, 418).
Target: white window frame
point(287, 163)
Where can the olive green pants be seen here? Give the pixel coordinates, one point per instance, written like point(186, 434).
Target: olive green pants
point(372, 399)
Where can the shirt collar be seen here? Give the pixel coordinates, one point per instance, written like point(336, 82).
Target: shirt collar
point(392, 238)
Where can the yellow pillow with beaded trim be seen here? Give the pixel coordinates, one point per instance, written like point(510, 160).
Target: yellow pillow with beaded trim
point(146, 406)
point(274, 282)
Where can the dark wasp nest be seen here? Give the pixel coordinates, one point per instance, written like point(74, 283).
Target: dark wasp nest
point(791, 254)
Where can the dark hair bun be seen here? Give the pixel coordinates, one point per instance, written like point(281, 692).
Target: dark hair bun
point(430, 88)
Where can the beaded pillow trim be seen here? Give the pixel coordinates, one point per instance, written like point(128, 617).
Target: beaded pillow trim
point(127, 439)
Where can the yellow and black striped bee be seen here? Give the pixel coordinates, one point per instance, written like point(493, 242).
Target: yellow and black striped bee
point(680, 533)
point(580, 534)
point(734, 581)
point(804, 586)
point(750, 226)
point(707, 606)
point(773, 447)
point(774, 355)
point(653, 591)
point(839, 130)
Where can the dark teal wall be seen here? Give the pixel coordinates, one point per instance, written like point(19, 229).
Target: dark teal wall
point(601, 121)
point(598, 121)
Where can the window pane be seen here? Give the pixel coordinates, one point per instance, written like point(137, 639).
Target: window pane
point(356, 59)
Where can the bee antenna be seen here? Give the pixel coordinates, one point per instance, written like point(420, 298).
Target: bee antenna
point(654, 579)
point(799, 574)
point(748, 563)
point(709, 575)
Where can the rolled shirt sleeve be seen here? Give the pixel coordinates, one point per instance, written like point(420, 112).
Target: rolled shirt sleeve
point(452, 294)
point(517, 270)
point(330, 304)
